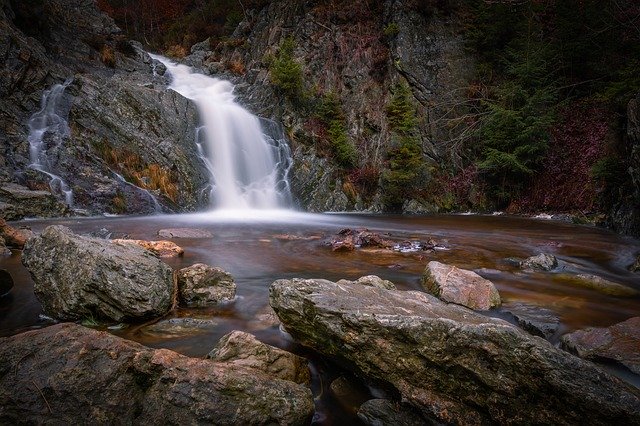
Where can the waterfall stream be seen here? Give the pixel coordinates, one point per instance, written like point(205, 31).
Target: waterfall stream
point(47, 130)
point(248, 169)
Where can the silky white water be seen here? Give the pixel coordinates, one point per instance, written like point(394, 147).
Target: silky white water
point(246, 171)
point(49, 120)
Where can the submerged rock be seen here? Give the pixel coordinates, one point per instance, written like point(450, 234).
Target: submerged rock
point(184, 233)
point(244, 350)
point(620, 342)
point(160, 248)
point(534, 319)
point(636, 266)
point(372, 281)
point(447, 361)
point(180, 327)
point(543, 262)
point(6, 282)
point(66, 372)
point(600, 284)
point(202, 285)
point(78, 277)
point(460, 286)
point(383, 412)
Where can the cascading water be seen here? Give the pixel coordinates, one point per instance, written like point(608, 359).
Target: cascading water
point(45, 126)
point(248, 169)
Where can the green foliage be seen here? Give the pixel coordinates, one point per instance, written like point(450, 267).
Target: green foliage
point(330, 112)
point(406, 168)
point(286, 72)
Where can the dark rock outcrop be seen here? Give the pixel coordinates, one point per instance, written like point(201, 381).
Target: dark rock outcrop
point(244, 350)
point(78, 277)
point(6, 282)
point(447, 361)
point(123, 126)
point(383, 412)
point(620, 342)
point(460, 286)
point(202, 285)
point(68, 374)
point(536, 320)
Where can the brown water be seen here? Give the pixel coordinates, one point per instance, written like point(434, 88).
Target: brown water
point(251, 250)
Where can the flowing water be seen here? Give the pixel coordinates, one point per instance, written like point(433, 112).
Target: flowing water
point(248, 170)
point(47, 130)
point(260, 247)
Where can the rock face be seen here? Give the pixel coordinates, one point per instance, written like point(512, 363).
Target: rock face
point(447, 361)
point(78, 277)
point(244, 350)
point(460, 286)
point(160, 248)
point(542, 262)
point(620, 342)
point(130, 143)
point(202, 285)
point(66, 372)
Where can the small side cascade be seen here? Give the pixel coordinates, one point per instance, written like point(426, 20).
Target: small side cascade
point(48, 128)
point(248, 159)
point(152, 198)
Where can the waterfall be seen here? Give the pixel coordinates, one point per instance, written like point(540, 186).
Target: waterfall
point(49, 125)
point(248, 169)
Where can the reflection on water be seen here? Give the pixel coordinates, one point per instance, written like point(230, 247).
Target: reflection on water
point(256, 252)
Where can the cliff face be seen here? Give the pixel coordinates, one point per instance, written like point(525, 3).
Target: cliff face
point(356, 53)
point(121, 123)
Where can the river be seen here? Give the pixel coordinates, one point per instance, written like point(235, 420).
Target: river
point(266, 246)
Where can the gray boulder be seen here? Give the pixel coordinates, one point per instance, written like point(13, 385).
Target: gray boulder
point(447, 361)
point(620, 343)
point(372, 281)
point(534, 319)
point(244, 350)
point(68, 374)
point(202, 285)
point(542, 262)
point(460, 286)
point(78, 277)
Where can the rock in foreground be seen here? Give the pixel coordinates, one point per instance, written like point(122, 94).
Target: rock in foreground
point(620, 342)
point(243, 349)
point(460, 286)
point(202, 285)
point(449, 362)
point(78, 277)
point(160, 248)
point(68, 374)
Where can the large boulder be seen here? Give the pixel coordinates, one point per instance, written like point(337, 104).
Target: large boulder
point(243, 349)
point(448, 361)
point(202, 285)
point(68, 374)
point(460, 286)
point(620, 342)
point(78, 277)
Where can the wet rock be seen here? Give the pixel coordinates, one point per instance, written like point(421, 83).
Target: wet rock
point(244, 350)
point(22, 202)
point(66, 372)
point(202, 285)
point(372, 281)
point(4, 251)
point(350, 239)
point(14, 237)
point(180, 327)
point(384, 412)
point(460, 286)
point(620, 343)
point(291, 237)
point(265, 318)
point(78, 277)
point(600, 284)
point(342, 387)
point(534, 319)
point(447, 361)
point(160, 248)
point(343, 245)
point(636, 265)
point(543, 262)
point(6, 282)
point(184, 233)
